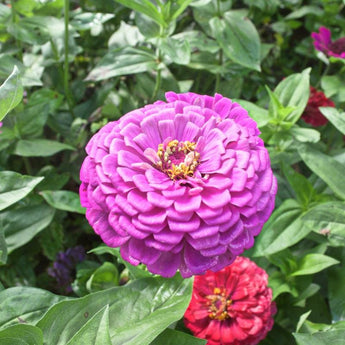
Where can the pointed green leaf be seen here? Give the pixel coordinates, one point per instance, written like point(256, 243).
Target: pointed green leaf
point(334, 337)
point(21, 335)
point(95, 331)
point(23, 223)
point(138, 311)
point(336, 292)
point(11, 93)
point(313, 263)
point(326, 167)
point(238, 38)
point(173, 337)
point(40, 147)
point(3, 247)
point(336, 118)
point(14, 187)
point(24, 305)
point(63, 200)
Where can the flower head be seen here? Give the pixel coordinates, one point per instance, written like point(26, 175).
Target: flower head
point(323, 42)
point(232, 306)
point(179, 185)
point(64, 265)
point(312, 114)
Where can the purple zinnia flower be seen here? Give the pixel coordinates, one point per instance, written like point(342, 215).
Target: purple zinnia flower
point(183, 185)
point(323, 42)
point(64, 265)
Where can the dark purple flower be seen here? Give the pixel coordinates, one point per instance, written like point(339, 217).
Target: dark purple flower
point(184, 184)
point(323, 42)
point(64, 265)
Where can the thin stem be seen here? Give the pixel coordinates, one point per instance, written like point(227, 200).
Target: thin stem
point(157, 85)
point(218, 75)
point(28, 166)
point(14, 21)
point(66, 62)
point(218, 9)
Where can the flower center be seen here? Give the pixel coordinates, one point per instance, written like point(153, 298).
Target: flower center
point(178, 159)
point(218, 304)
point(338, 46)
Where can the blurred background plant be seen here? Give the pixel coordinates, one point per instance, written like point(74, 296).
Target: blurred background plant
point(69, 67)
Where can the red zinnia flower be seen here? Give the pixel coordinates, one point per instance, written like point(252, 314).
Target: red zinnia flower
point(312, 114)
point(232, 306)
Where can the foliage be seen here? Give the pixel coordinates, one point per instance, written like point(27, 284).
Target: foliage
point(69, 67)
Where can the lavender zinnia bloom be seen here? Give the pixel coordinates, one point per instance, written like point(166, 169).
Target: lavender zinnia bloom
point(323, 42)
point(64, 265)
point(183, 185)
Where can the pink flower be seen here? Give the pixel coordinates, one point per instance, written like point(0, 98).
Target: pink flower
point(323, 42)
point(183, 185)
point(312, 114)
point(233, 306)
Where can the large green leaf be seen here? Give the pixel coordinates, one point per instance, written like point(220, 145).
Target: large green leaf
point(11, 93)
point(123, 61)
point(313, 263)
point(337, 118)
point(40, 147)
point(24, 305)
point(293, 92)
point(14, 187)
point(172, 337)
point(238, 38)
point(138, 311)
point(95, 331)
point(23, 223)
point(326, 167)
point(63, 200)
point(336, 292)
point(285, 217)
point(177, 51)
point(21, 335)
point(331, 337)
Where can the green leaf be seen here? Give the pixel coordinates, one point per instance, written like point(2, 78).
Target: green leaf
point(138, 311)
point(177, 51)
point(14, 187)
point(146, 7)
point(258, 114)
point(104, 277)
point(335, 117)
point(23, 223)
point(293, 92)
point(336, 292)
point(21, 335)
point(95, 331)
point(326, 167)
point(334, 337)
point(313, 263)
point(40, 147)
point(134, 271)
point(302, 319)
point(123, 61)
point(25, 305)
point(238, 38)
point(63, 200)
point(173, 337)
point(333, 85)
point(302, 187)
point(3, 247)
point(304, 134)
point(11, 93)
point(285, 218)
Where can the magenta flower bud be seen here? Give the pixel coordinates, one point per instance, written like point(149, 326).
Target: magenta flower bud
point(179, 185)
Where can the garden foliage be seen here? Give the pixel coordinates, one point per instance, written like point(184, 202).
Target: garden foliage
point(67, 68)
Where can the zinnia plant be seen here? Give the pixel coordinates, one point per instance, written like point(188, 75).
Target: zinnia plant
point(323, 42)
point(233, 306)
point(184, 184)
point(312, 114)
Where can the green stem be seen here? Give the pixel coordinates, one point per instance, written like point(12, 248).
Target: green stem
point(323, 74)
point(66, 62)
point(218, 75)
point(14, 21)
point(219, 13)
point(28, 166)
point(157, 85)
